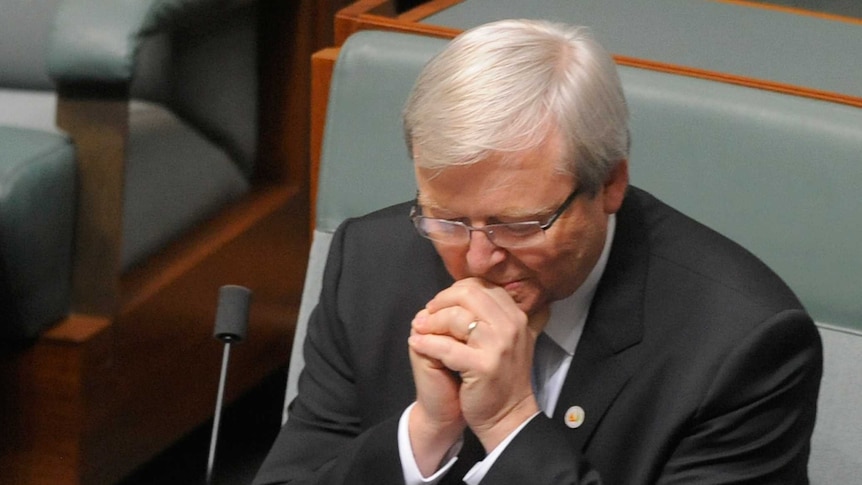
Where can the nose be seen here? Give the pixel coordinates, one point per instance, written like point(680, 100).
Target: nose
point(482, 254)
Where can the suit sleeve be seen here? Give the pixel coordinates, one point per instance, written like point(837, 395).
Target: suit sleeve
point(755, 423)
point(323, 441)
point(541, 454)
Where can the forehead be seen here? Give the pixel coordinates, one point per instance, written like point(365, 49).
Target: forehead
point(490, 188)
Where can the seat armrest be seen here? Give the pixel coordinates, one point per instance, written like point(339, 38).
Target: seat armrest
point(98, 40)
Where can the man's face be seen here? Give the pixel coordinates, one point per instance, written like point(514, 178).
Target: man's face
point(524, 190)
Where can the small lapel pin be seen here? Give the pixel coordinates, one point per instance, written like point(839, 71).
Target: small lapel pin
point(574, 417)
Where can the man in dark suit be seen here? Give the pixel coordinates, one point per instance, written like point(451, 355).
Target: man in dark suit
point(531, 318)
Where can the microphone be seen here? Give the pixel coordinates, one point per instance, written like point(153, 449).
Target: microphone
point(231, 326)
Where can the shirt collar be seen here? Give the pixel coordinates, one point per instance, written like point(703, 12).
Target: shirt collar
point(569, 315)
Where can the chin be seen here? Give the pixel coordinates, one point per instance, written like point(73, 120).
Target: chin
point(526, 295)
point(529, 304)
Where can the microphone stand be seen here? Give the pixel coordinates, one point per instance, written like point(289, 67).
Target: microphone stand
point(230, 327)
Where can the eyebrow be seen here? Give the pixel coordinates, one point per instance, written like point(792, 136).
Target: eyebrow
point(520, 215)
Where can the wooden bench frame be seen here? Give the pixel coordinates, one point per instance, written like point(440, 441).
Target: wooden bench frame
point(134, 367)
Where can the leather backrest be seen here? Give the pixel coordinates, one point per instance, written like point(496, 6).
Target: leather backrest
point(202, 63)
point(24, 29)
point(747, 39)
point(358, 175)
point(364, 162)
point(779, 174)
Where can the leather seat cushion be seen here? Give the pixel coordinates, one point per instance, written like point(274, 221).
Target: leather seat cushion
point(37, 200)
point(175, 177)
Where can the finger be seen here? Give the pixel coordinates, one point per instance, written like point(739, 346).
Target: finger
point(453, 321)
point(497, 292)
point(475, 288)
point(498, 325)
point(452, 353)
point(437, 390)
point(485, 302)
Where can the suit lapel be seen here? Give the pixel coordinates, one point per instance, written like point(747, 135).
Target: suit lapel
point(607, 354)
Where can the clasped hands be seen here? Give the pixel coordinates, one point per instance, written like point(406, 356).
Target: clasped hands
point(478, 378)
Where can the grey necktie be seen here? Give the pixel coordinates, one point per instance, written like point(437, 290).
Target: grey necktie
point(546, 359)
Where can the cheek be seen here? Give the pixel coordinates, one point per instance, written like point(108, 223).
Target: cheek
point(454, 258)
point(564, 269)
point(551, 269)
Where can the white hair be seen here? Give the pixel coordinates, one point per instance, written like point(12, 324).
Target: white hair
point(511, 86)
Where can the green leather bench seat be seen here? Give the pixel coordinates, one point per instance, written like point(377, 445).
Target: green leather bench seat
point(37, 201)
point(771, 45)
point(778, 173)
point(175, 177)
point(193, 115)
point(192, 126)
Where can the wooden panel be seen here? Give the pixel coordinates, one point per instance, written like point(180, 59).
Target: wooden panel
point(794, 10)
point(100, 129)
point(293, 31)
point(166, 359)
point(427, 9)
point(94, 398)
point(740, 80)
point(43, 412)
point(363, 15)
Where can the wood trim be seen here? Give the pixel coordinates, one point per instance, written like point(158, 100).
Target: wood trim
point(85, 403)
point(783, 88)
point(100, 129)
point(360, 7)
point(140, 284)
point(345, 27)
point(427, 9)
point(357, 17)
point(77, 329)
point(292, 32)
point(276, 134)
point(46, 388)
point(793, 10)
point(163, 347)
point(345, 19)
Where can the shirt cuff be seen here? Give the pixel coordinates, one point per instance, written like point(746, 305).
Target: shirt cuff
point(412, 475)
point(480, 469)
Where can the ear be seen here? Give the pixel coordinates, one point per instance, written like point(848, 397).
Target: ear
point(614, 189)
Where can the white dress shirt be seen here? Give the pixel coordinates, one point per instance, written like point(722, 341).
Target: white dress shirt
point(564, 328)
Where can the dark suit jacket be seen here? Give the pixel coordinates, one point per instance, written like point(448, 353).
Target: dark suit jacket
point(697, 365)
